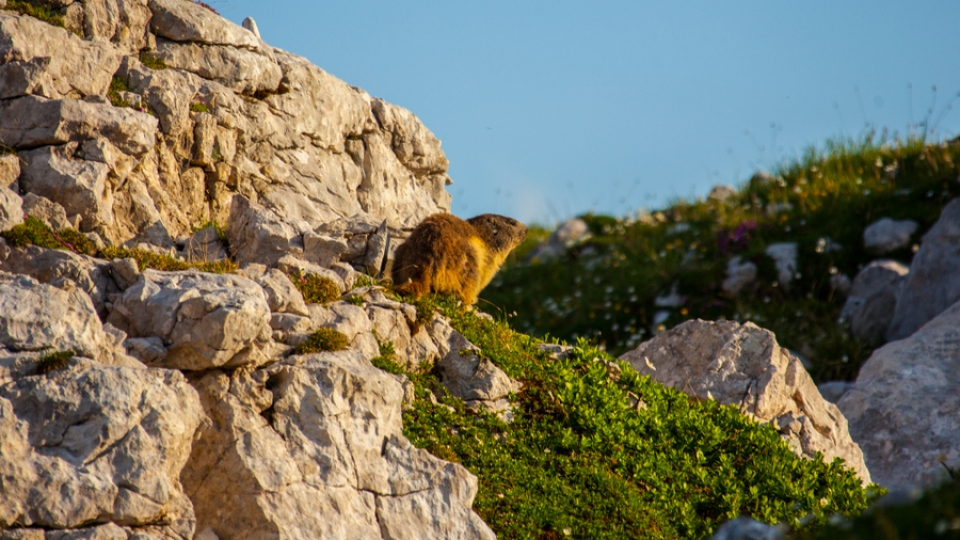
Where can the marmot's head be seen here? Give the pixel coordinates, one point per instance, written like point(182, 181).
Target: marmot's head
point(501, 233)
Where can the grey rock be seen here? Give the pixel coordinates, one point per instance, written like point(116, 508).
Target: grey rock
point(904, 405)
point(94, 442)
point(886, 235)
point(869, 308)
point(743, 365)
point(322, 249)
point(257, 234)
point(123, 22)
point(739, 275)
point(282, 295)
point(51, 213)
point(204, 246)
point(50, 61)
point(204, 320)
point(78, 185)
point(832, 391)
point(188, 22)
point(11, 209)
point(721, 193)
point(933, 284)
point(563, 237)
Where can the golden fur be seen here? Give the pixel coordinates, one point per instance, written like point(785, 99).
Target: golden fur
point(446, 254)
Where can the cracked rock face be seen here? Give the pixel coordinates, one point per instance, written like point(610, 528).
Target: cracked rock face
point(743, 365)
point(320, 432)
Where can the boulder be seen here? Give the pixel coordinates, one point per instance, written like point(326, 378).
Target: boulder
point(123, 22)
point(743, 365)
point(312, 447)
point(282, 295)
point(784, 255)
point(886, 235)
point(870, 306)
point(78, 185)
point(53, 214)
point(190, 22)
point(204, 320)
point(904, 405)
point(9, 172)
point(48, 61)
point(258, 235)
point(564, 236)
point(739, 275)
point(31, 121)
point(92, 443)
point(933, 284)
point(240, 70)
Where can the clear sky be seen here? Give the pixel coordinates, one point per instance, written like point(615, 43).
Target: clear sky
point(551, 109)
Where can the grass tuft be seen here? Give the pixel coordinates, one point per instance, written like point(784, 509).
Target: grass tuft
point(35, 232)
point(152, 61)
point(324, 339)
point(44, 13)
point(315, 289)
point(53, 361)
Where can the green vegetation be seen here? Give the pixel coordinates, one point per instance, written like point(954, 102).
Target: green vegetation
point(599, 452)
point(324, 339)
point(117, 85)
point(158, 261)
point(152, 61)
point(37, 11)
point(199, 107)
point(315, 289)
point(605, 289)
point(53, 361)
point(35, 232)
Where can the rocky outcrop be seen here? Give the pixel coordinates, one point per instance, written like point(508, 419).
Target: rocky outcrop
point(933, 284)
point(885, 235)
point(870, 307)
point(229, 115)
point(904, 405)
point(743, 365)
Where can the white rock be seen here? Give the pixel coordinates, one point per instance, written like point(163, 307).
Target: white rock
point(204, 320)
point(241, 70)
point(886, 235)
point(870, 306)
point(784, 255)
point(79, 186)
point(251, 25)
point(182, 21)
point(282, 295)
point(904, 405)
point(739, 275)
point(9, 172)
point(11, 209)
point(256, 234)
point(97, 443)
point(124, 22)
point(743, 365)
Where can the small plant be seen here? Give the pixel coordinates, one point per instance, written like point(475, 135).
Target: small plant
point(356, 300)
point(199, 107)
point(36, 11)
point(148, 259)
point(221, 232)
point(315, 289)
point(118, 85)
point(6, 150)
point(53, 361)
point(35, 232)
point(152, 61)
point(324, 339)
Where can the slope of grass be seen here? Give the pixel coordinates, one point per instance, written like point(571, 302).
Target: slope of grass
point(597, 451)
point(606, 288)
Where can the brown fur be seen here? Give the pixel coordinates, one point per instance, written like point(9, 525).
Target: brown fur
point(446, 254)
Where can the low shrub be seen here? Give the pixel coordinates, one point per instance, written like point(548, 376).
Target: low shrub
point(324, 339)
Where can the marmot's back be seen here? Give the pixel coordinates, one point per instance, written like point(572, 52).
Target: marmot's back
point(446, 254)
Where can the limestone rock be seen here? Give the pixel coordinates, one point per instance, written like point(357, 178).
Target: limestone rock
point(311, 447)
point(65, 270)
point(190, 22)
point(241, 70)
point(9, 172)
point(886, 235)
point(743, 365)
point(123, 22)
point(44, 60)
point(204, 245)
point(251, 25)
point(393, 322)
point(256, 234)
point(40, 317)
point(31, 121)
point(904, 405)
point(565, 235)
point(870, 306)
point(11, 209)
point(933, 284)
point(204, 320)
point(80, 186)
point(53, 214)
point(282, 295)
point(94, 443)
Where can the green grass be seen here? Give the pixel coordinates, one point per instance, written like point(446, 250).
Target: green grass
point(199, 107)
point(152, 61)
point(315, 289)
point(44, 13)
point(35, 232)
point(602, 457)
point(605, 289)
point(324, 339)
point(149, 259)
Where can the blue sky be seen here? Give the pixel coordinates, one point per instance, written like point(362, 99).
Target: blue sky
point(551, 109)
